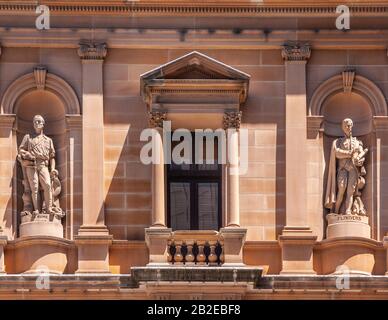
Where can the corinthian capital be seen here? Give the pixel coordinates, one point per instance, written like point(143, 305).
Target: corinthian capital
point(156, 119)
point(92, 51)
point(296, 51)
point(232, 120)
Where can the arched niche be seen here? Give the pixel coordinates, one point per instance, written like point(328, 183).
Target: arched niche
point(40, 92)
point(343, 105)
point(348, 96)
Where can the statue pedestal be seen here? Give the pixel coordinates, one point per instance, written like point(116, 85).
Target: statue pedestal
point(341, 225)
point(41, 228)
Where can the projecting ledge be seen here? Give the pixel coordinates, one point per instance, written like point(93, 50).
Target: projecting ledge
point(202, 274)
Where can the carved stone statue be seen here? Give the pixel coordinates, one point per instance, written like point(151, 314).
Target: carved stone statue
point(40, 178)
point(346, 174)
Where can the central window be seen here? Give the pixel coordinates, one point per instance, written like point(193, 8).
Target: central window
point(194, 190)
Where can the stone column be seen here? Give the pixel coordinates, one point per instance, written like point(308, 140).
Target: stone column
point(74, 158)
point(158, 234)
point(93, 238)
point(297, 239)
point(3, 242)
point(7, 164)
point(234, 236)
point(158, 175)
point(381, 130)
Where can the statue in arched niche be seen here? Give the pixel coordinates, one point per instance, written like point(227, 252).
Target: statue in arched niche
point(40, 177)
point(346, 174)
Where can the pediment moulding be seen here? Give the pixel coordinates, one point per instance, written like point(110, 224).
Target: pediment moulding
point(176, 8)
point(40, 79)
point(194, 83)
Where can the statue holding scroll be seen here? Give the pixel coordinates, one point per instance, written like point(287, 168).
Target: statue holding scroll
point(346, 174)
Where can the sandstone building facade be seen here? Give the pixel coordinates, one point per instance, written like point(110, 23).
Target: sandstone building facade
point(279, 73)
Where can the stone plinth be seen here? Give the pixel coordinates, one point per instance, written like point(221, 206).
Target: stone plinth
point(41, 228)
point(41, 254)
point(385, 243)
point(3, 242)
point(156, 240)
point(297, 245)
point(347, 226)
point(234, 239)
point(93, 244)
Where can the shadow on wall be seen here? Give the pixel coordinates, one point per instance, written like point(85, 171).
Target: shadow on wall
point(127, 181)
point(268, 113)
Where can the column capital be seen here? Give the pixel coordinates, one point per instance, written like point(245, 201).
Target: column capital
point(232, 119)
point(92, 51)
point(296, 51)
point(156, 118)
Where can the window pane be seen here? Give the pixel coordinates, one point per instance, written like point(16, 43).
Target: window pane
point(180, 205)
point(211, 157)
point(208, 206)
point(175, 166)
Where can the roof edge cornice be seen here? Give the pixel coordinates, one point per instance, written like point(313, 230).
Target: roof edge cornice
point(106, 7)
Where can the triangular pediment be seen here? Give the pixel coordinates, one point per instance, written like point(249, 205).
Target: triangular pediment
point(195, 65)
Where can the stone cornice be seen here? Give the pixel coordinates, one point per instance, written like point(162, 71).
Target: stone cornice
point(244, 9)
point(92, 51)
point(296, 51)
point(200, 39)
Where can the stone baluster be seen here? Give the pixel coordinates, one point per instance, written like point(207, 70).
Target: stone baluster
point(178, 257)
point(201, 257)
point(169, 255)
point(212, 255)
point(222, 255)
point(190, 256)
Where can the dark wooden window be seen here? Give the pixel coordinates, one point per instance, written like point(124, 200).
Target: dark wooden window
point(194, 193)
